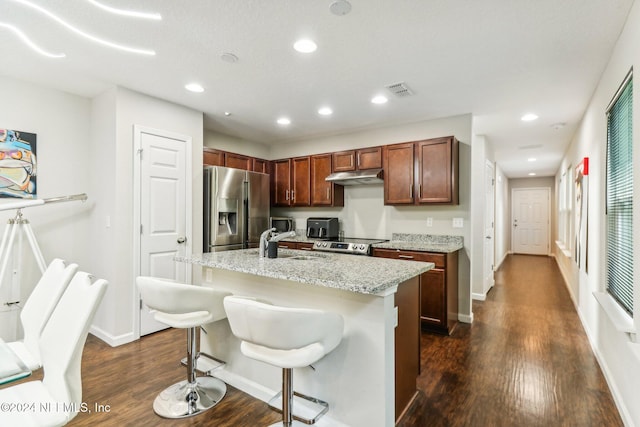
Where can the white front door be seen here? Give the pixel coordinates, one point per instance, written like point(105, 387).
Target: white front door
point(489, 210)
point(164, 206)
point(530, 221)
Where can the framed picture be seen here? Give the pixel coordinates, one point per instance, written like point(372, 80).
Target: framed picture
point(17, 164)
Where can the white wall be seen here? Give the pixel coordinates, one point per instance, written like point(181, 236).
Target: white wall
point(235, 145)
point(61, 122)
point(620, 365)
point(364, 213)
point(502, 218)
point(112, 154)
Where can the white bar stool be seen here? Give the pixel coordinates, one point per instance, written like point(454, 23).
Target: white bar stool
point(287, 338)
point(188, 307)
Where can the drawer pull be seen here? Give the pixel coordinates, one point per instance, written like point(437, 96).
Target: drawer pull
point(305, 249)
point(405, 256)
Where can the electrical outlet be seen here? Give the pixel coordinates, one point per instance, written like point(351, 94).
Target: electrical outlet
point(209, 275)
point(458, 223)
point(429, 222)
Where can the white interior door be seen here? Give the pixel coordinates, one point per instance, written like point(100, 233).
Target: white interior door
point(163, 212)
point(489, 220)
point(530, 221)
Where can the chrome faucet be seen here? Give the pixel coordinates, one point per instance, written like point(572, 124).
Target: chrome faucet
point(264, 239)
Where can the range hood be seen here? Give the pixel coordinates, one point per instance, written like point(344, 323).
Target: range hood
point(363, 177)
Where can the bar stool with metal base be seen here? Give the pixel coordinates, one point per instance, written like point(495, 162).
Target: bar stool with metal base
point(188, 307)
point(287, 338)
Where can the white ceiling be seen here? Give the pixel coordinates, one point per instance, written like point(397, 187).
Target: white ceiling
point(495, 59)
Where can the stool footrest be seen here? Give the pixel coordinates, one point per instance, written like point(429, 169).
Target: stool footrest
point(205, 363)
point(310, 407)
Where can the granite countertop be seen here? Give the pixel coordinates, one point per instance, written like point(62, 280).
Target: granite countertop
point(423, 243)
point(355, 273)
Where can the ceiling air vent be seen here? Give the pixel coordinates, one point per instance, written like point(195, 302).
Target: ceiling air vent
point(400, 89)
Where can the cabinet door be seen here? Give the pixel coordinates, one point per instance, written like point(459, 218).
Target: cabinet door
point(281, 183)
point(304, 246)
point(301, 179)
point(237, 161)
point(369, 158)
point(398, 161)
point(212, 157)
point(287, 245)
point(260, 165)
point(436, 174)
point(344, 161)
point(433, 308)
point(324, 193)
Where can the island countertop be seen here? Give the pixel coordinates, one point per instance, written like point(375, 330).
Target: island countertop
point(360, 274)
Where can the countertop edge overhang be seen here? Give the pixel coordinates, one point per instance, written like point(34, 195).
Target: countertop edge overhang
point(354, 273)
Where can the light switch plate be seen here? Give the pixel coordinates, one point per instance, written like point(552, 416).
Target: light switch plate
point(458, 223)
point(429, 222)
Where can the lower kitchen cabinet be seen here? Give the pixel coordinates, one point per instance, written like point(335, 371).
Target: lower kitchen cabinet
point(438, 287)
point(303, 246)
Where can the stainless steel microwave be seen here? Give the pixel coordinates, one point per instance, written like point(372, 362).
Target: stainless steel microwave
point(281, 224)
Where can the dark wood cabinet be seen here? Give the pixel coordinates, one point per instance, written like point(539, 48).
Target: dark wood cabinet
point(398, 162)
point(421, 172)
point(281, 182)
point(351, 160)
point(438, 287)
point(301, 180)
point(260, 165)
point(237, 161)
point(324, 193)
point(212, 157)
point(437, 170)
point(303, 246)
point(290, 182)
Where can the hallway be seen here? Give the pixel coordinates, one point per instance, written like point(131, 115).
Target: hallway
point(525, 360)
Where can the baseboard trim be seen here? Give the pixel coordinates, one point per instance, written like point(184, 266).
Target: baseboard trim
point(478, 297)
point(112, 340)
point(465, 318)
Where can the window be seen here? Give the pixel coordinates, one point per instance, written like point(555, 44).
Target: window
point(619, 258)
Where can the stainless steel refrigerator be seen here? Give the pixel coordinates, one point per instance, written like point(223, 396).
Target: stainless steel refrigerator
point(236, 208)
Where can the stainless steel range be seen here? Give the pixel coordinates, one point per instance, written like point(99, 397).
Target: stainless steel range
point(347, 245)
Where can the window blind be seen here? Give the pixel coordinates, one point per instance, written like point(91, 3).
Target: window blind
point(619, 258)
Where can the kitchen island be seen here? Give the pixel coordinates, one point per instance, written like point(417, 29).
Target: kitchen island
point(369, 379)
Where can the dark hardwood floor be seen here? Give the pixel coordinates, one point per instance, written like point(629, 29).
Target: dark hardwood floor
point(525, 361)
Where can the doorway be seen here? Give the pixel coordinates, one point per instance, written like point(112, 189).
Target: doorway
point(162, 211)
point(530, 221)
point(489, 229)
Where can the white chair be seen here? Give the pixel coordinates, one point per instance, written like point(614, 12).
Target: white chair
point(38, 308)
point(187, 307)
point(286, 338)
point(56, 399)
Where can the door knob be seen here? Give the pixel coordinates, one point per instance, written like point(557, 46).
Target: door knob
point(181, 240)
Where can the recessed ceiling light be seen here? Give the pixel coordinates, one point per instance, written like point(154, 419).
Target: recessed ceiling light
point(325, 111)
point(531, 159)
point(227, 114)
point(194, 87)
point(379, 99)
point(305, 46)
point(532, 174)
point(284, 121)
point(529, 117)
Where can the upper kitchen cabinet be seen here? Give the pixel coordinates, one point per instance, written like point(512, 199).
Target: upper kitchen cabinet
point(212, 157)
point(351, 160)
point(290, 182)
point(398, 164)
point(260, 165)
point(421, 172)
point(237, 161)
point(437, 171)
point(324, 193)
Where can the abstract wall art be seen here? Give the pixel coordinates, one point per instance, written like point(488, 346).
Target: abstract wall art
point(17, 164)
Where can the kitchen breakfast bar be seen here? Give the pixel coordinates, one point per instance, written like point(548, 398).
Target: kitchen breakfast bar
point(370, 378)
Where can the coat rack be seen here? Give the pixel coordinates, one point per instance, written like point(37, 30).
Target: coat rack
point(19, 226)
